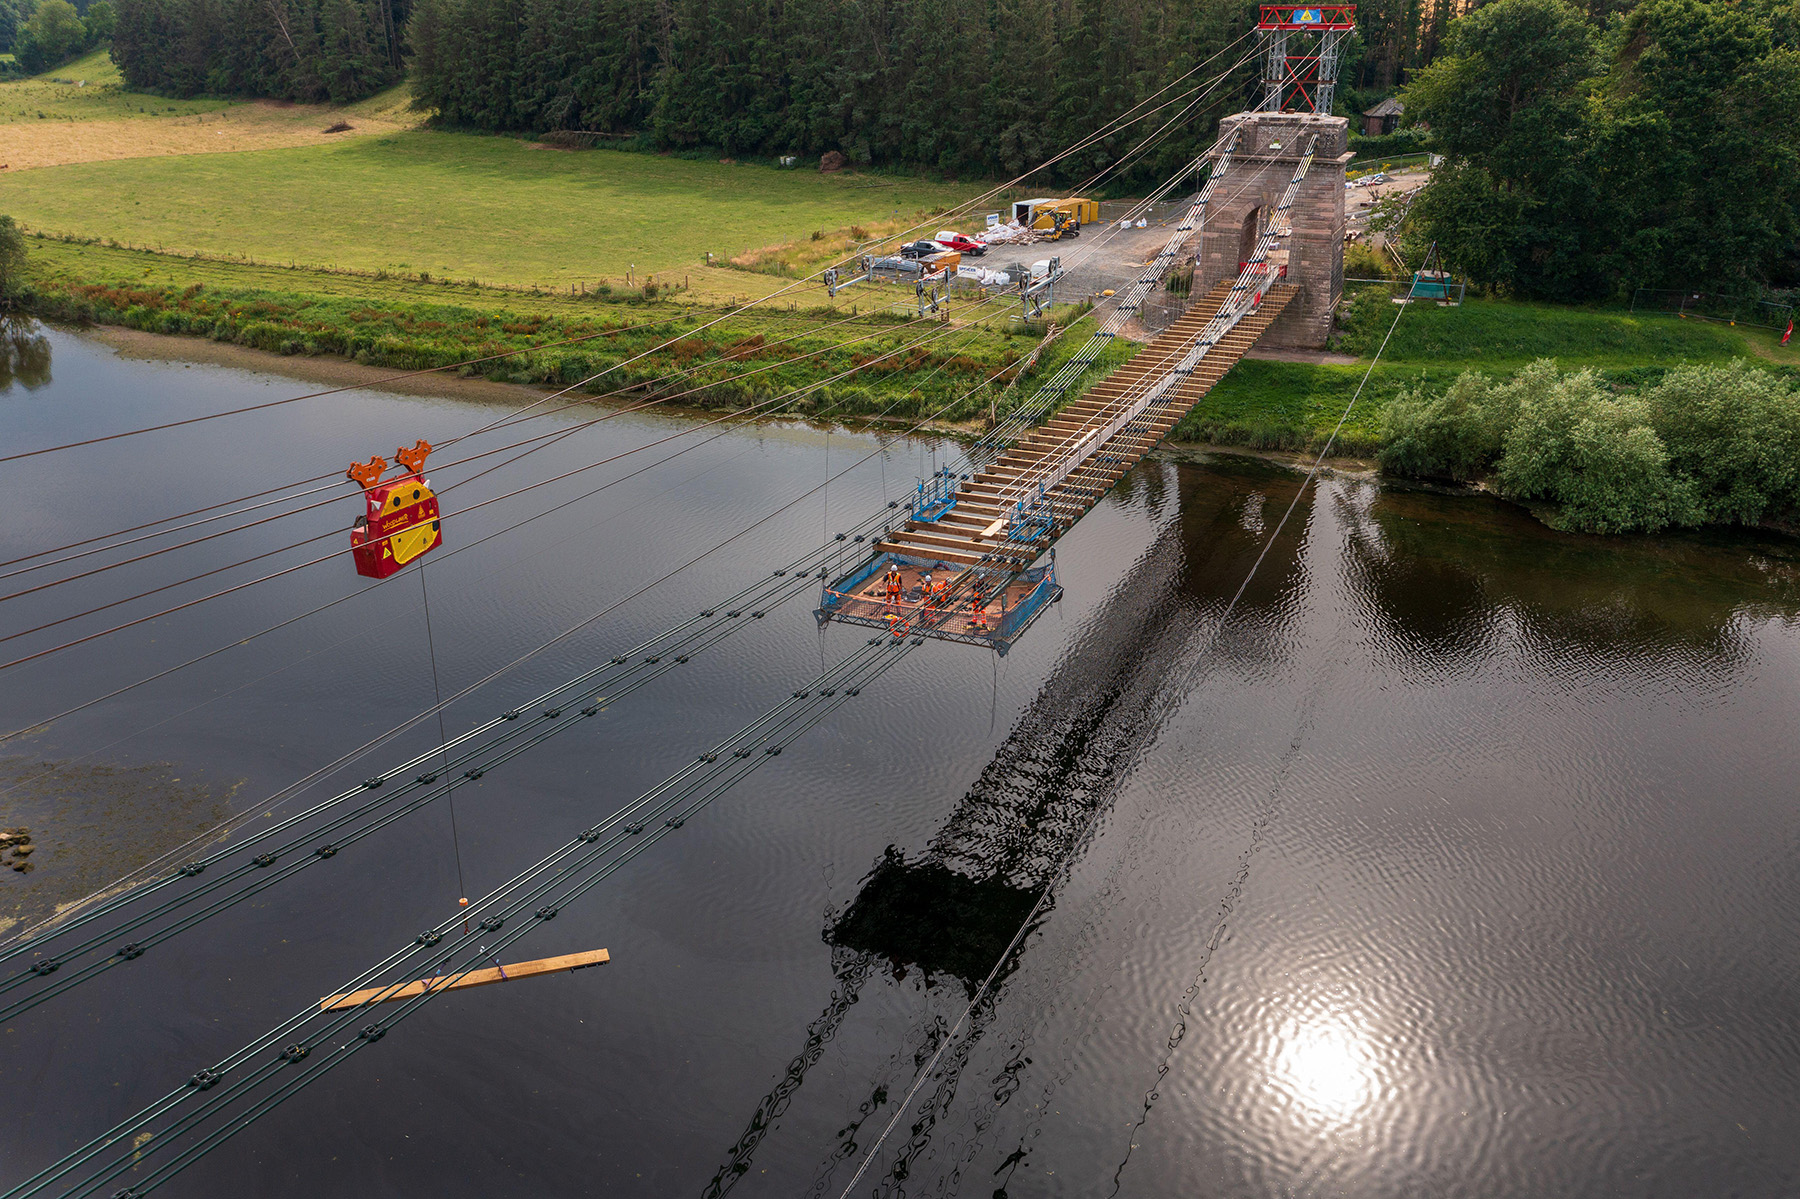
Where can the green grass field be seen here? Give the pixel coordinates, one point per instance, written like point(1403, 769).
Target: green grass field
point(489, 208)
point(55, 96)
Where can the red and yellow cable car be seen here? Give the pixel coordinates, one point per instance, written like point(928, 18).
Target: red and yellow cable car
point(401, 523)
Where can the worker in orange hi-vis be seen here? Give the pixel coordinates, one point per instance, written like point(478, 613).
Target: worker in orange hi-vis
point(893, 585)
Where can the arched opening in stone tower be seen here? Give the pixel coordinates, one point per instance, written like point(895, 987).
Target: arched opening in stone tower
point(1252, 230)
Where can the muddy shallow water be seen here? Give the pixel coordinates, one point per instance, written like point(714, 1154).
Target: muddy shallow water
point(1463, 860)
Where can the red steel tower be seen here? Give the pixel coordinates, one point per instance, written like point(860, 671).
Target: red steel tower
point(1302, 44)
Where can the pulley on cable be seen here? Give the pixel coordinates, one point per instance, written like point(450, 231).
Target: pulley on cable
point(401, 522)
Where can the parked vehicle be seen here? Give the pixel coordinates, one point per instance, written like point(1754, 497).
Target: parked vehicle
point(961, 243)
point(919, 249)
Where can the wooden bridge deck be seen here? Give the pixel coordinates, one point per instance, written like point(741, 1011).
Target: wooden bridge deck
point(957, 536)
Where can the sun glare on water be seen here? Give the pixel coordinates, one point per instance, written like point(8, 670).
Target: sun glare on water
point(1326, 1067)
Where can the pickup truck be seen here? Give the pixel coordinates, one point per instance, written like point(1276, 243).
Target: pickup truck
point(961, 243)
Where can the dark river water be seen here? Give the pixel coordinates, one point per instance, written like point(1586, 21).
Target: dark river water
point(1463, 859)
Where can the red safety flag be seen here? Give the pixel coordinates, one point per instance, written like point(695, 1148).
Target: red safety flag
point(1789, 333)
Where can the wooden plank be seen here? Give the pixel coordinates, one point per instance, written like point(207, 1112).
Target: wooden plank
point(474, 978)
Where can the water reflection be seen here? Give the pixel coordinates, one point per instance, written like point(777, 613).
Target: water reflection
point(24, 354)
point(1326, 1067)
point(1447, 580)
point(951, 912)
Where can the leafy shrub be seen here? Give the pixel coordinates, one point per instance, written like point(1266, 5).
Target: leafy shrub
point(1597, 457)
point(1364, 262)
point(1390, 145)
point(1457, 435)
point(12, 259)
point(1734, 432)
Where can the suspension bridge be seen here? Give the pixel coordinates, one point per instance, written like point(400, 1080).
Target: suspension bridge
point(971, 558)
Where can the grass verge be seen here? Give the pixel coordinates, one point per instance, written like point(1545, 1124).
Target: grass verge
point(1294, 405)
point(409, 325)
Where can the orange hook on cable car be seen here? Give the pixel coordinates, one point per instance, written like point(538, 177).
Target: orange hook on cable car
point(401, 522)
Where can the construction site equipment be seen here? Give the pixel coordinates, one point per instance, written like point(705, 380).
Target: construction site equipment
point(992, 528)
point(1053, 219)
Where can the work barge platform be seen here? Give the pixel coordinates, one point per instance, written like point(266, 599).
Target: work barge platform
point(964, 562)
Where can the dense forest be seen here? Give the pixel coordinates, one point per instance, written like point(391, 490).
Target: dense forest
point(965, 88)
point(1658, 149)
point(338, 50)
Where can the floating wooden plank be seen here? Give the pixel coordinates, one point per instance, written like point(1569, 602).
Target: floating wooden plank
point(474, 978)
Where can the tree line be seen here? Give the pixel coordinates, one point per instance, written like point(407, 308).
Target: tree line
point(983, 88)
point(309, 50)
point(47, 34)
point(1659, 147)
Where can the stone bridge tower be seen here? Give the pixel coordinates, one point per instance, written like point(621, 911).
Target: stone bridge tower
point(1269, 148)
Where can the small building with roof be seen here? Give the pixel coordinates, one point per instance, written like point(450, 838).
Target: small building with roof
point(1384, 117)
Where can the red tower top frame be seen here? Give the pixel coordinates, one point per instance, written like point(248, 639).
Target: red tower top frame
point(1306, 18)
point(1301, 47)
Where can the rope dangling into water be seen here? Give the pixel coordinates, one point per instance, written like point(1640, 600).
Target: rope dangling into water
point(437, 696)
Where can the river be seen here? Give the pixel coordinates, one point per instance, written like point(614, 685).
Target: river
point(1462, 859)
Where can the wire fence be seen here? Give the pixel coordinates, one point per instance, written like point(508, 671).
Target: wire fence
point(1710, 306)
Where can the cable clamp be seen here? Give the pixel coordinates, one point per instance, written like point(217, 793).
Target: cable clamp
point(325, 851)
point(546, 913)
point(425, 780)
point(494, 923)
point(653, 660)
point(193, 868)
point(674, 822)
point(682, 659)
point(732, 615)
point(706, 614)
point(133, 950)
point(429, 937)
point(473, 774)
point(619, 661)
point(373, 1033)
point(709, 757)
point(772, 749)
point(552, 713)
point(780, 573)
point(513, 715)
point(206, 1079)
point(47, 966)
point(373, 783)
point(591, 710)
point(294, 1053)
point(590, 836)
point(634, 828)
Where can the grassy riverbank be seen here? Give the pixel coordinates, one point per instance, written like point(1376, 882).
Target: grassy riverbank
point(409, 324)
point(1294, 405)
